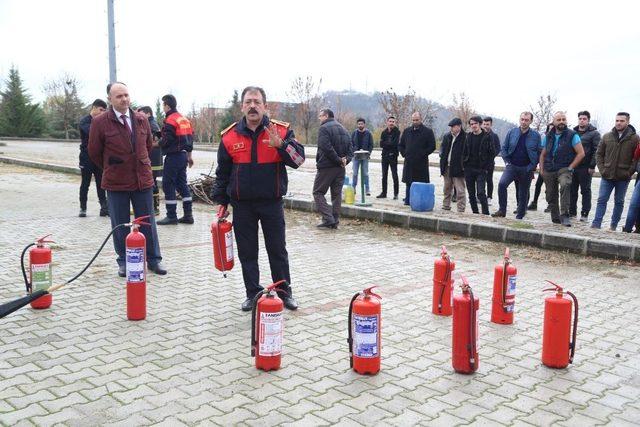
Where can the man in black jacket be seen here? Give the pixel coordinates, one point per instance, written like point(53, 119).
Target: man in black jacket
point(452, 152)
point(416, 143)
point(87, 168)
point(590, 138)
point(335, 151)
point(487, 124)
point(477, 162)
point(389, 140)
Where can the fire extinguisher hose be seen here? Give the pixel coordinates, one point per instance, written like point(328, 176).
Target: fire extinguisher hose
point(444, 283)
point(349, 329)
point(472, 330)
point(505, 265)
point(24, 273)
point(572, 344)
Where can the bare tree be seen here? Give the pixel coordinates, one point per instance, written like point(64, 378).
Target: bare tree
point(63, 106)
point(205, 122)
point(543, 111)
point(461, 107)
point(346, 117)
point(305, 92)
point(403, 106)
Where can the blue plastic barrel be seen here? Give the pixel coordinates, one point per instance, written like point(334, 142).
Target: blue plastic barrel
point(422, 196)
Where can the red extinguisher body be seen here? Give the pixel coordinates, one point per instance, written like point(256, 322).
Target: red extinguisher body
point(443, 268)
point(268, 329)
point(136, 256)
point(504, 292)
point(222, 238)
point(365, 325)
point(464, 344)
point(40, 275)
point(558, 335)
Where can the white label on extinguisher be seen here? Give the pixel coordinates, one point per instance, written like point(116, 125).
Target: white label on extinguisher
point(365, 336)
point(511, 294)
point(228, 241)
point(271, 329)
point(40, 276)
point(135, 265)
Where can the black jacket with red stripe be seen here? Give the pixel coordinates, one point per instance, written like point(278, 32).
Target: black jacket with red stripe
point(249, 168)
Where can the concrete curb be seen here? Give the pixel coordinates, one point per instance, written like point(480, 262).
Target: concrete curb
point(600, 248)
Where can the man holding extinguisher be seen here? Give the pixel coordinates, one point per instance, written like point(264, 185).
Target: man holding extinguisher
point(251, 175)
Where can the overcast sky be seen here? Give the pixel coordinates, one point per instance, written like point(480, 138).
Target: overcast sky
point(503, 54)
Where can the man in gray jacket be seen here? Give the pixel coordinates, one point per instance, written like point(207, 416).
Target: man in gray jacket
point(590, 138)
point(334, 153)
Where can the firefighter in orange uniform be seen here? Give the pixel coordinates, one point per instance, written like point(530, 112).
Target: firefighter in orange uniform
point(252, 176)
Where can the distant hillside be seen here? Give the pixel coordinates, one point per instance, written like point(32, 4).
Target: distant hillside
point(367, 106)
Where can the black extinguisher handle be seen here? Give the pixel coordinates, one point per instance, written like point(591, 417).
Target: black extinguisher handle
point(350, 332)
point(254, 339)
point(27, 284)
point(572, 344)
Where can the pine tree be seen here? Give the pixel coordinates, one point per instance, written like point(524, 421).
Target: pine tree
point(233, 113)
point(18, 116)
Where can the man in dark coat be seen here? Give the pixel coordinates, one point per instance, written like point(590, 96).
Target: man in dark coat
point(416, 143)
point(389, 140)
point(581, 180)
point(335, 151)
point(478, 160)
point(452, 154)
point(87, 168)
point(120, 142)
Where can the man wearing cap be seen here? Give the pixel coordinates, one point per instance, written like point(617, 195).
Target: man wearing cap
point(452, 152)
point(416, 143)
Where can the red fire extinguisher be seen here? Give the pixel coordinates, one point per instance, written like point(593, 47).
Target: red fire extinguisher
point(222, 237)
point(443, 284)
point(267, 327)
point(465, 330)
point(136, 256)
point(40, 277)
point(365, 325)
point(504, 291)
point(558, 348)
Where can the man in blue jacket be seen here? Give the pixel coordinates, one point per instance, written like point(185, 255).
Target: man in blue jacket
point(520, 155)
point(361, 139)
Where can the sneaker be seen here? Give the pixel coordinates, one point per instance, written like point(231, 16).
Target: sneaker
point(498, 214)
point(327, 225)
point(565, 220)
point(584, 218)
point(395, 197)
point(381, 196)
point(446, 208)
point(515, 212)
point(83, 213)
point(547, 209)
point(532, 206)
point(368, 193)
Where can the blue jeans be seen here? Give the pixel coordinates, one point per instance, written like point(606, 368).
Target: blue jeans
point(634, 209)
point(520, 174)
point(142, 201)
point(364, 165)
point(606, 187)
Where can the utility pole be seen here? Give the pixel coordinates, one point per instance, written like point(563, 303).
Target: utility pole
point(112, 43)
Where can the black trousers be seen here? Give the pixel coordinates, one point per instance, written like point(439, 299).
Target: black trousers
point(270, 215)
point(476, 181)
point(87, 173)
point(581, 180)
point(390, 162)
point(490, 181)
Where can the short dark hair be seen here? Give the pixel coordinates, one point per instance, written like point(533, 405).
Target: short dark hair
point(170, 101)
point(99, 103)
point(584, 113)
point(391, 117)
point(488, 119)
point(253, 89)
point(111, 84)
point(327, 112)
point(623, 113)
point(146, 109)
point(476, 119)
point(529, 113)
point(360, 119)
